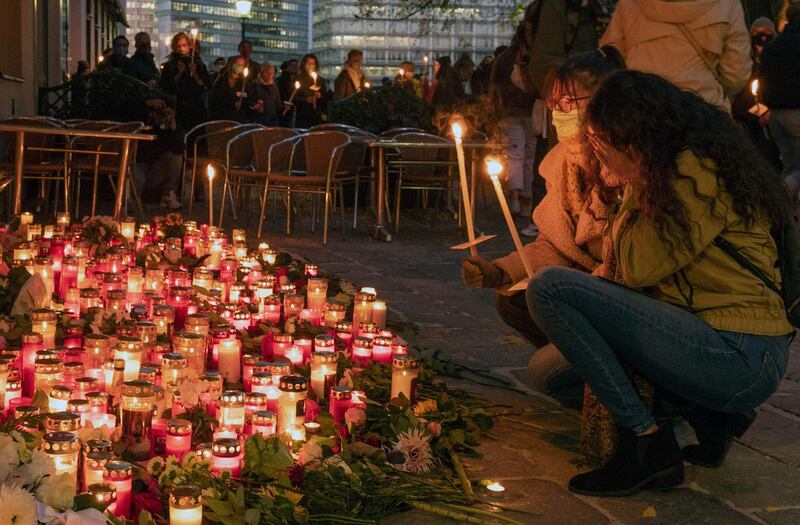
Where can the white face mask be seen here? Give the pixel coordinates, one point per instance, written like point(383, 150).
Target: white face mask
point(567, 123)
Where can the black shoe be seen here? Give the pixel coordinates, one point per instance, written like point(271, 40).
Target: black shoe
point(715, 432)
point(652, 461)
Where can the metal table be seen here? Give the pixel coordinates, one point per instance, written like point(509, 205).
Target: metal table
point(19, 155)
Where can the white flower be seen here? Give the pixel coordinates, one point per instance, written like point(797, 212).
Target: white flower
point(337, 461)
point(17, 506)
point(22, 447)
point(354, 416)
point(9, 456)
point(309, 452)
point(58, 491)
point(416, 447)
point(39, 466)
point(190, 393)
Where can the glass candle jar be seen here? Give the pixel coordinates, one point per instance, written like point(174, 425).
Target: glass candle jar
point(185, 506)
point(84, 385)
point(202, 278)
point(154, 280)
point(179, 298)
point(164, 318)
point(98, 402)
point(341, 401)
point(198, 323)
point(58, 398)
point(63, 449)
point(294, 355)
point(253, 402)
point(264, 423)
point(117, 300)
point(368, 330)
point(226, 456)
point(179, 438)
point(47, 373)
point(229, 358)
point(323, 373)
point(129, 349)
point(362, 351)
point(71, 372)
point(96, 348)
point(231, 412)
point(119, 475)
point(362, 308)
point(3, 382)
point(157, 352)
point(292, 402)
point(344, 332)
point(324, 343)
point(105, 495)
point(13, 393)
point(138, 399)
point(316, 293)
point(405, 370)
point(334, 312)
point(89, 298)
point(306, 346)
point(281, 344)
point(31, 343)
point(193, 348)
point(270, 309)
point(293, 304)
point(44, 321)
point(379, 314)
point(173, 369)
point(382, 349)
point(93, 465)
point(248, 363)
point(235, 291)
point(80, 407)
point(147, 333)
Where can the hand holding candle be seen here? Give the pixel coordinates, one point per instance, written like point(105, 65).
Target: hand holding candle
point(194, 33)
point(291, 98)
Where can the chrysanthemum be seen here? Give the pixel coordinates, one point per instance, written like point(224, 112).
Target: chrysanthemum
point(427, 406)
point(416, 447)
point(17, 506)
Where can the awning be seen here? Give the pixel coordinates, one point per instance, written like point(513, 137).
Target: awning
point(117, 12)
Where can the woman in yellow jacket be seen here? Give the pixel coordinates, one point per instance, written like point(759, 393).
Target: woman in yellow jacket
point(690, 319)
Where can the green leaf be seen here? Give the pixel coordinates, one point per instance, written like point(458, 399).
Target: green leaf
point(267, 457)
point(87, 501)
point(252, 516)
point(219, 507)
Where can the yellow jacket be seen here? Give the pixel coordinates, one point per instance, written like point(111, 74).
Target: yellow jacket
point(704, 279)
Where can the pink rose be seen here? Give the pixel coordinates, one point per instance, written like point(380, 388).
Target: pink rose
point(435, 428)
point(355, 417)
point(312, 410)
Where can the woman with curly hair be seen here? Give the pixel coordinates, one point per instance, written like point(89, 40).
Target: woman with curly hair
point(690, 318)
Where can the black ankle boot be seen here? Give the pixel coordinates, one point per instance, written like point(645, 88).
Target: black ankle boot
point(715, 432)
point(650, 461)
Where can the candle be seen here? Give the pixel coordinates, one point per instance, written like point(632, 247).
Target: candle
point(344, 332)
point(118, 475)
point(105, 495)
point(31, 343)
point(405, 370)
point(292, 401)
point(494, 168)
point(185, 506)
point(129, 350)
point(13, 395)
point(323, 373)
point(495, 489)
point(210, 173)
point(248, 363)
point(362, 351)
point(226, 456)
point(341, 400)
point(158, 433)
point(458, 131)
point(127, 228)
point(179, 438)
point(58, 397)
point(193, 348)
point(294, 355)
point(382, 349)
point(264, 423)
point(362, 308)
point(272, 309)
point(62, 448)
point(93, 465)
point(334, 312)
point(379, 314)
point(173, 369)
point(179, 298)
point(316, 293)
point(281, 344)
point(229, 354)
point(231, 413)
point(46, 373)
point(43, 321)
point(138, 399)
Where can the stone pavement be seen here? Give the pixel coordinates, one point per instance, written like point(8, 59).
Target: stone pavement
point(535, 451)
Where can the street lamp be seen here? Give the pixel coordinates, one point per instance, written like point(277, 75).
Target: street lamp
point(244, 7)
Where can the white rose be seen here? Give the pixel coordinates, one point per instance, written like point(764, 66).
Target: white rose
point(9, 456)
point(39, 467)
point(309, 452)
point(59, 492)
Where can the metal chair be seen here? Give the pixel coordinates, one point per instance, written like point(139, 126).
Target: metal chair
point(323, 151)
point(421, 168)
point(194, 139)
point(391, 133)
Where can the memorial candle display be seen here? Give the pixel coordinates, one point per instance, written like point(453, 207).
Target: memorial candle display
point(63, 449)
point(323, 373)
point(405, 370)
point(291, 403)
point(138, 399)
point(229, 356)
point(94, 463)
point(226, 456)
point(179, 438)
point(119, 475)
point(185, 506)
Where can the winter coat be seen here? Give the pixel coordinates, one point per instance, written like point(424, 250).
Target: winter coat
point(142, 66)
point(510, 100)
point(570, 225)
point(273, 107)
point(225, 102)
point(780, 70)
point(648, 35)
point(190, 108)
point(308, 114)
point(349, 82)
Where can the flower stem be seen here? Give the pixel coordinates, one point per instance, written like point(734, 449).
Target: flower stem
point(462, 475)
point(448, 513)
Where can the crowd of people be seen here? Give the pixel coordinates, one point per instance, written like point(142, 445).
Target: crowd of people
point(671, 166)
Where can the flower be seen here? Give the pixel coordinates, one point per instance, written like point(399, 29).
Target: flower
point(190, 393)
point(9, 456)
point(58, 491)
point(312, 410)
point(156, 466)
point(428, 406)
point(39, 466)
point(347, 378)
point(435, 428)
point(337, 461)
point(17, 506)
point(355, 417)
point(309, 452)
point(416, 447)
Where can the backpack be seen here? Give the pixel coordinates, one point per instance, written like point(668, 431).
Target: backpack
point(787, 238)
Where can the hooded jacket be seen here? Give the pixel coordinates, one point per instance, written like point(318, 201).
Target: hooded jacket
point(648, 35)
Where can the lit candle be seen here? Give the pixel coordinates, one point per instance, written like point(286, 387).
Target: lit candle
point(31, 343)
point(105, 495)
point(229, 355)
point(43, 321)
point(138, 399)
point(362, 308)
point(281, 344)
point(405, 370)
point(93, 465)
point(193, 347)
point(341, 400)
point(379, 314)
point(185, 506)
point(362, 351)
point(231, 413)
point(323, 373)
point(129, 350)
point(58, 398)
point(127, 228)
point(226, 456)
point(62, 448)
point(382, 349)
point(119, 475)
point(316, 293)
point(458, 132)
point(291, 403)
point(179, 438)
point(264, 423)
point(13, 395)
point(494, 168)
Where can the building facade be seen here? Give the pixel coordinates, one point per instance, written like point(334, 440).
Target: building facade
point(43, 42)
point(141, 16)
point(278, 29)
point(478, 27)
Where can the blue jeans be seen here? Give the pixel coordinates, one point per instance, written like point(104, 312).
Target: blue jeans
point(598, 325)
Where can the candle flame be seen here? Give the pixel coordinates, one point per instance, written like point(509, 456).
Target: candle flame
point(101, 58)
point(210, 172)
point(367, 85)
point(494, 167)
point(754, 87)
point(246, 72)
point(425, 59)
point(401, 72)
point(458, 130)
point(495, 487)
point(194, 31)
point(297, 85)
point(314, 75)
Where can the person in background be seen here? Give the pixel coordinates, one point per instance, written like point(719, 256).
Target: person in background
point(142, 65)
point(216, 69)
point(707, 329)
point(448, 91)
point(185, 76)
point(762, 31)
point(158, 162)
point(464, 68)
point(79, 91)
point(285, 85)
point(407, 81)
point(105, 56)
point(780, 92)
point(246, 52)
point(479, 83)
point(229, 96)
point(311, 98)
point(682, 41)
point(351, 79)
point(119, 56)
point(265, 99)
point(571, 217)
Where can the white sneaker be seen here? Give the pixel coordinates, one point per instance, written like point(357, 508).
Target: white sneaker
point(170, 200)
point(530, 231)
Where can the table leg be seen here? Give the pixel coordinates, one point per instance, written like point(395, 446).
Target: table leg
point(19, 162)
point(380, 232)
point(123, 167)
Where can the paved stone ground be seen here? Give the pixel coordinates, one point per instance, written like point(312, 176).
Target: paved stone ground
point(535, 451)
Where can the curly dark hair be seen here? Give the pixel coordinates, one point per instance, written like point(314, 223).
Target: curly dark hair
point(658, 120)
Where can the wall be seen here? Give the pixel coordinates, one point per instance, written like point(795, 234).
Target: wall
point(17, 58)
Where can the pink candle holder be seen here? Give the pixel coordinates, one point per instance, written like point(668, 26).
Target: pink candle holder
point(179, 438)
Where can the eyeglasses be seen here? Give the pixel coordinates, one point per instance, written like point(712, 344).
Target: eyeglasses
point(568, 103)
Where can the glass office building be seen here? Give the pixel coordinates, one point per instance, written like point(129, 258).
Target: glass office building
point(278, 29)
point(477, 28)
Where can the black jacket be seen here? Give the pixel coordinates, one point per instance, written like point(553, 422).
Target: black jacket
point(308, 113)
point(142, 66)
point(273, 108)
point(190, 109)
point(225, 103)
point(510, 100)
point(780, 70)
